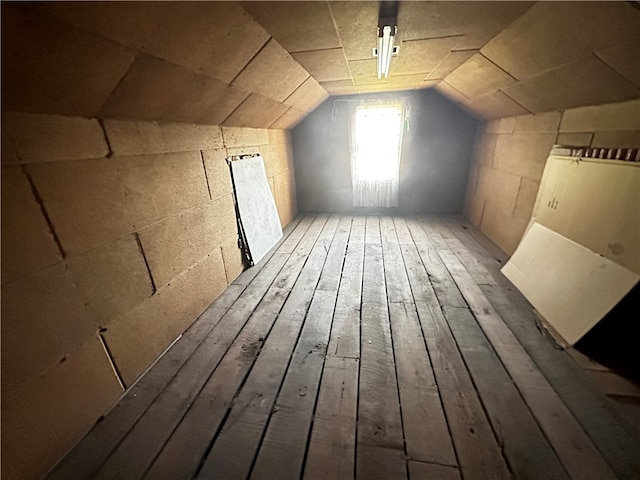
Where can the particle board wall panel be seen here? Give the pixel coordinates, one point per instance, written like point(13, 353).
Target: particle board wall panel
point(41, 82)
point(217, 39)
point(529, 46)
point(138, 138)
point(611, 117)
point(233, 259)
point(616, 139)
point(324, 65)
point(495, 105)
point(484, 149)
point(478, 76)
point(523, 154)
point(586, 81)
point(178, 242)
point(474, 209)
point(357, 24)
point(501, 125)
point(499, 225)
point(278, 136)
point(94, 201)
point(623, 58)
point(218, 175)
point(526, 198)
point(185, 96)
point(27, 242)
point(285, 196)
point(498, 186)
point(138, 337)
point(60, 307)
point(49, 138)
point(236, 137)
point(273, 73)
point(256, 112)
point(42, 403)
point(544, 122)
point(574, 138)
point(308, 96)
point(298, 27)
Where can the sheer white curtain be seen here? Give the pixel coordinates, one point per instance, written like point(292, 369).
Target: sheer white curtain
point(376, 139)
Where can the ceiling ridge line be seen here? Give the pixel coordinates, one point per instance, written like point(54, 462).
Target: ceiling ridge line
point(251, 60)
point(498, 66)
point(298, 88)
point(594, 53)
point(513, 100)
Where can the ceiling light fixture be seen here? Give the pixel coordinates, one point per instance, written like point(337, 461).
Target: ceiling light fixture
point(385, 49)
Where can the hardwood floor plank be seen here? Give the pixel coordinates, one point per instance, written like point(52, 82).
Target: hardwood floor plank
point(432, 471)
point(583, 398)
point(577, 453)
point(372, 230)
point(332, 439)
point(283, 448)
point(332, 271)
point(235, 447)
point(524, 445)
point(182, 454)
point(425, 428)
point(380, 441)
point(94, 449)
point(331, 453)
point(345, 333)
point(446, 290)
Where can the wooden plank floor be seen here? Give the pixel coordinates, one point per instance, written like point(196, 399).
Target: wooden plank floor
point(370, 347)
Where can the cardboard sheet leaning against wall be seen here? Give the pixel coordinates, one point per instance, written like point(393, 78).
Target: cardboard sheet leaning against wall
point(581, 252)
point(259, 223)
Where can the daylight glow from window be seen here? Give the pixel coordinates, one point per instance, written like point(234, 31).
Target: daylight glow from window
point(378, 131)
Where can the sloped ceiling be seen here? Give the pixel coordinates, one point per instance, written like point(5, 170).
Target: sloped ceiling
point(268, 64)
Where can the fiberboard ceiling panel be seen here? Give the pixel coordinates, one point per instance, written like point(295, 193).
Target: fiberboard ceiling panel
point(553, 33)
point(157, 90)
point(421, 56)
point(257, 112)
point(297, 26)
point(475, 23)
point(50, 67)
point(357, 24)
point(587, 81)
point(477, 76)
point(308, 96)
point(272, 73)
point(325, 65)
point(215, 38)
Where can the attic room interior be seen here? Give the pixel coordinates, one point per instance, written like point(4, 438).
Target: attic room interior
point(320, 240)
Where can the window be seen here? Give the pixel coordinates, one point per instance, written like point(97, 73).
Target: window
point(376, 144)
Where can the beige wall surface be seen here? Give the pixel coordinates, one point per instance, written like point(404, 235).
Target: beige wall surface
point(433, 165)
point(113, 231)
point(510, 155)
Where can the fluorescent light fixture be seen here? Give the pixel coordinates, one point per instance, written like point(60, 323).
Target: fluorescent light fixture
point(385, 50)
